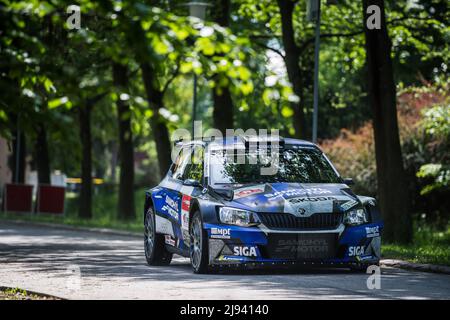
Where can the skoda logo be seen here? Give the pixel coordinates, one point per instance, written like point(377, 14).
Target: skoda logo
point(301, 211)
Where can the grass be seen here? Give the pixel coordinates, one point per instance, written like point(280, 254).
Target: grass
point(104, 212)
point(20, 294)
point(429, 245)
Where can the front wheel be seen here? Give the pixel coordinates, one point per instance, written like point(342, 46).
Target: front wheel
point(156, 253)
point(362, 268)
point(198, 251)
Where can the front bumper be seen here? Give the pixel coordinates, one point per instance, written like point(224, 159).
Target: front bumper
point(233, 245)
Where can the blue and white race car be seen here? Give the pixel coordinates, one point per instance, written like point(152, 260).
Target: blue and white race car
point(240, 201)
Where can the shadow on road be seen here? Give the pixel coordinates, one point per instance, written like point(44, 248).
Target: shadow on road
point(118, 258)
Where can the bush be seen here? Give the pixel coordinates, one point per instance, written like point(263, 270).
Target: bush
point(424, 126)
point(353, 155)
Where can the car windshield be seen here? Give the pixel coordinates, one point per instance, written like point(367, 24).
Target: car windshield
point(302, 165)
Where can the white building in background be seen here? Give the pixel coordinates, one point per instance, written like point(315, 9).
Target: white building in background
point(57, 179)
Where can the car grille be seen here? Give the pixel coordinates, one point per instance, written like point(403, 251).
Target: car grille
point(302, 247)
point(287, 221)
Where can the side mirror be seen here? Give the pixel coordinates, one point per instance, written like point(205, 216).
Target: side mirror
point(226, 193)
point(349, 181)
point(191, 183)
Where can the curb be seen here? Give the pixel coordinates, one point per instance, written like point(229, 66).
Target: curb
point(415, 266)
point(75, 228)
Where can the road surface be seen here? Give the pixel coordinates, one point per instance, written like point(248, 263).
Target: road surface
point(87, 265)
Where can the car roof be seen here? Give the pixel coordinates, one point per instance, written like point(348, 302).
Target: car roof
point(239, 140)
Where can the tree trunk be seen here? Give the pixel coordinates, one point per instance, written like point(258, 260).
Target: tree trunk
point(85, 204)
point(223, 110)
point(41, 155)
point(158, 123)
point(126, 153)
point(223, 103)
point(113, 164)
point(392, 186)
point(292, 56)
point(19, 146)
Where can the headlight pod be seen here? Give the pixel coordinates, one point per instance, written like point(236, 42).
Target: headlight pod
point(355, 217)
point(237, 217)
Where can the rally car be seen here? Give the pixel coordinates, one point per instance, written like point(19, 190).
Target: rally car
point(247, 201)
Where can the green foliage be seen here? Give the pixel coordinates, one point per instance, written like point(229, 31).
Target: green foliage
point(436, 124)
point(48, 72)
point(353, 154)
point(423, 122)
point(430, 245)
point(436, 121)
point(439, 174)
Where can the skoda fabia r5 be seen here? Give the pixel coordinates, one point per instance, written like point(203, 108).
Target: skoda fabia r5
point(248, 201)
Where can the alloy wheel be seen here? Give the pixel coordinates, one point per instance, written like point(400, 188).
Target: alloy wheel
point(196, 243)
point(149, 233)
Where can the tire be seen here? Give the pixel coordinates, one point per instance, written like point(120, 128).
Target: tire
point(359, 268)
point(198, 250)
point(156, 253)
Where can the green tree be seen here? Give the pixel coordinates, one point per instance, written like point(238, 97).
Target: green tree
point(392, 186)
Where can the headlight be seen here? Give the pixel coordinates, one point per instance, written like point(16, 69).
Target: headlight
point(238, 217)
point(355, 217)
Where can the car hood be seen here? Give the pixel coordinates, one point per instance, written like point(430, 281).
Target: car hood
point(296, 198)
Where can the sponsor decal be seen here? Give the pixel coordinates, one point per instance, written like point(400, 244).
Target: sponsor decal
point(365, 258)
point(169, 240)
point(307, 206)
point(172, 203)
point(186, 237)
point(170, 211)
point(303, 247)
point(220, 233)
point(312, 242)
point(248, 191)
point(349, 204)
point(310, 199)
point(355, 251)
point(297, 192)
point(246, 251)
point(225, 258)
point(184, 220)
point(372, 232)
point(186, 203)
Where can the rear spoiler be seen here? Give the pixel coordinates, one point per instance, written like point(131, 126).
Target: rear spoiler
point(267, 141)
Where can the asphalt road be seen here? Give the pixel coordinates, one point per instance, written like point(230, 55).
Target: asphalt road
point(87, 265)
